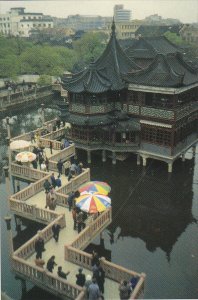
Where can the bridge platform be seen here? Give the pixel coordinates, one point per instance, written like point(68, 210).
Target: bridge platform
point(69, 250)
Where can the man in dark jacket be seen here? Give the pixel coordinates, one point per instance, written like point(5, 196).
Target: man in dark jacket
point(51, 263)
point(56, 229)
point(62, 274)
point(60, 167)
point(80, 278)
point(39, 246)
point(46, 185)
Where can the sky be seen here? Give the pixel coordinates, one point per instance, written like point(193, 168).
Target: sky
point(184, 10)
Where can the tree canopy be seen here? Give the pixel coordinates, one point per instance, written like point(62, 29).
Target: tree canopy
point(19, 56)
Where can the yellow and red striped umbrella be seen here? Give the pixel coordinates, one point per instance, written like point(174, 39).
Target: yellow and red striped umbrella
point(93, 203)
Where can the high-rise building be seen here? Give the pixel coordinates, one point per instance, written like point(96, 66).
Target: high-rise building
point(18, 22)
point(121, 14)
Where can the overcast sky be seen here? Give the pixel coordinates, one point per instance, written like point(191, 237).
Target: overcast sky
point(185, 10)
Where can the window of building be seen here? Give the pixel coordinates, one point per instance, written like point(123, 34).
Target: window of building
point(29, 18)
point(49, 25)
point(156, 135)
point(34, 18)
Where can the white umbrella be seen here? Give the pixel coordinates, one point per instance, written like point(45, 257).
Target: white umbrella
point(25, 156)
point(19, 144)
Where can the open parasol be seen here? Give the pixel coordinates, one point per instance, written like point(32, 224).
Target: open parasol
point(25, 156)
point(19, 144)
point(93, 203)
point(95, 187)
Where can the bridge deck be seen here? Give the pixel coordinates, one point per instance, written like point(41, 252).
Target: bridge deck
point(67, 250)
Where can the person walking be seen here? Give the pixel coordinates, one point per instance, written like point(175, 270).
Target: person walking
point(56, 229)
point(53, 180)
point(70, 200)
point(47, 163)
point(124, 290)
point(60, 167)
point(87, 284)
point(39, 246)
point(80, 277)
point(51, 146)
point(62, 274)
point(32, 137)
point(101, 279)
point(52, 204)
point(46, 185)
point(93, 290)
point(47, 199)
point(58, 181)
point(79, 220)
point(74, 214)
point(51, 264)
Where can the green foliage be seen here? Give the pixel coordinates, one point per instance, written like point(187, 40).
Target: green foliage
point(174, 38)
point(19, 56)
point(44, 80)
point(9, 66)
point(90, 45)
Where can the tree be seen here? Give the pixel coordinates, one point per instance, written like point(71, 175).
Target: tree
point(174, 38)
point(44, 80)
point(9, 66)
point(90, 45)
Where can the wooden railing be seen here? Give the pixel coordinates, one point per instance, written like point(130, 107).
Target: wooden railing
point(27, 249)
point(32, 212)
point(46, 280)
point(31, 190)
point(74, 183)
point(112, 271)
point(64, 154)
point(91, 230)
point(26, 136)
point(24, 171)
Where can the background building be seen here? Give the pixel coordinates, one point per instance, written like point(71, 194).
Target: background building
point(125, 30)
point(83, 22)
point(18, 22)
point(121, 14)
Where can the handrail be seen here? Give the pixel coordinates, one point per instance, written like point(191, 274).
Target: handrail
point(39, 275)
point(28, 248)
point(112, 271)
point(89, 232)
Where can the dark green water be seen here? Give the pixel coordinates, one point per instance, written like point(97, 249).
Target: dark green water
point(154, 228)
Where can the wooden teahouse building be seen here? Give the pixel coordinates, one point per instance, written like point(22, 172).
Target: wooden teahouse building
point(116, 105)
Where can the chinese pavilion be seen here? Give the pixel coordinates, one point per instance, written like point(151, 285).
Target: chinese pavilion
point(115, 105)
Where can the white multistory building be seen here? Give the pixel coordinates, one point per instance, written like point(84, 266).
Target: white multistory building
point(17, 22)
point(121, 14)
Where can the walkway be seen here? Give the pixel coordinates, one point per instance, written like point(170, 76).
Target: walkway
point(30, 203)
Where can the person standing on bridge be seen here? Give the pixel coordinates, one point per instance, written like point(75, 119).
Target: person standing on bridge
point(56, 229)
point(39, 246)
point(80, 278)
point(93, 290)
point(62, 274)
point(60, 167)
point(51, 263)
point(51, 146)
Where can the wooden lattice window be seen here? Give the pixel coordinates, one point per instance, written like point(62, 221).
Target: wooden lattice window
point(156, 136)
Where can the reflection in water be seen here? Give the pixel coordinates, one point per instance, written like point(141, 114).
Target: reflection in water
point(158, 209)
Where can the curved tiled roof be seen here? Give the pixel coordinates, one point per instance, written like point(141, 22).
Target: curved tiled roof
point(150, 46)
point(165, 71)
point(105, 73)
